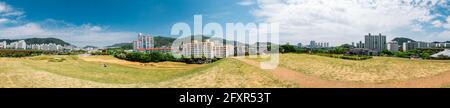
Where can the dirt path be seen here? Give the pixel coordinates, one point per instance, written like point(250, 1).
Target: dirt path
point(308, 81)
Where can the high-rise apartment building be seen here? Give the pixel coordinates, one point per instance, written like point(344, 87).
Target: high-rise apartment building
point(375, 42)
point(143, 43)
point(3, 45)
point(314, 44)
point(299, 45)
point(18, 45)
point(360, 44)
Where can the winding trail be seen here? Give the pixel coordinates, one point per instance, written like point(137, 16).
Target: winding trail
point(309, 81)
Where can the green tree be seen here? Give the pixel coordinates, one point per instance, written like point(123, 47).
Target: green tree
point(286, 48)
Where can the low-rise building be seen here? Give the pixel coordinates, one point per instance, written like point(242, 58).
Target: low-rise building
point(393, 46)
point(420, 45)
point(208, 49)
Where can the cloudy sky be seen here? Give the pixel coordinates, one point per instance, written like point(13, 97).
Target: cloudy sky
point(105, 22)
point(345, 21)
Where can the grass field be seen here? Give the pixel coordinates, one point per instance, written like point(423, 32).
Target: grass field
point(376, 70)
point(90, 71)
point(74, 71)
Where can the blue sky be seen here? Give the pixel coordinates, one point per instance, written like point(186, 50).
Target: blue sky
point(148, 16)
point(105, 22)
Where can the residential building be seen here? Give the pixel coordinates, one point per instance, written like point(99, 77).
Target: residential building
point(375, 42)
point(421, 45)
point(441, 44)
point(393, 46)
point(314, 44)
point(18, 45)
point(208, 49)
point(48, 47)
point(143, 43)
point(22, 45)
point(299, 45)
point(360, 45)
point(3, 45)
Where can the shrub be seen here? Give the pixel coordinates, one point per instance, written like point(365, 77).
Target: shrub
point(56, 59)
point(161, 57)
point(347, 57)
point(145, 57)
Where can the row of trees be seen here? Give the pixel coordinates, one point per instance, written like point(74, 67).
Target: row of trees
point(27, 53)
point(160, 57)
point(286, 48)
point(418, 53)
point(19, 53)
point(343, 49)
point(193, 60)
point(146, 57)
point(348, 57)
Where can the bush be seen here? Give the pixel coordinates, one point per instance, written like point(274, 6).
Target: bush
point(21, 53)
point(28, 53)
point(347, 57)
point(145, 57)
point(56, 59)
point(99, 53)
point(161, 57)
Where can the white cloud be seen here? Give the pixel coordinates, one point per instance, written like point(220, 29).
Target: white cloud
point(9, 14)
point(3, 7)
point(445, 34)
point(3, 20)
point(437, 23)
point(447, 25)
point(90, 27)
point(80, 35)
point(344, 21)
point(86, 34)
point(7, 10)
point(246, 2)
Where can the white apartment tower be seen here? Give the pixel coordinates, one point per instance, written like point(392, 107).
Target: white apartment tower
point(143, 42)
point(19, 45)
point(206, 49)
point(393, 46)
point(3, 45)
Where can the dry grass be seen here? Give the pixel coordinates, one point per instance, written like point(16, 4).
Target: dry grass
point(112, 73)
point(378, 69)
point(38, 72)
point(231, 73)
point(159, 65)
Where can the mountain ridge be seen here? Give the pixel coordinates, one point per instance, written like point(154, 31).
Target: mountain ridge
point(38, 41)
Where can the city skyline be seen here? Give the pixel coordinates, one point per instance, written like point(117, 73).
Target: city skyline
point(332, 21)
